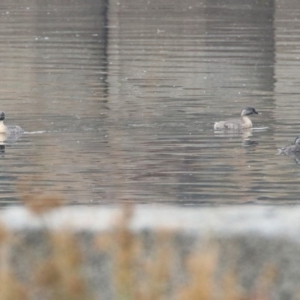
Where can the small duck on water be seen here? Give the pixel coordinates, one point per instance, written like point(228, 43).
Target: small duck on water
point(242, 123)
point(291, 149)
point(11, 130)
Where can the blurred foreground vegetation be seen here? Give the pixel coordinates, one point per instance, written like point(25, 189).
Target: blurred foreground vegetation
point(139, 270)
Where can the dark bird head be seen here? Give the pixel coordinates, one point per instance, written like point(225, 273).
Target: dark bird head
point(2, 115)
point(247, 111)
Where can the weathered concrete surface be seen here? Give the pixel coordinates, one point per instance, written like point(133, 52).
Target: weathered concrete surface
point(250, 239)
point(262, 220)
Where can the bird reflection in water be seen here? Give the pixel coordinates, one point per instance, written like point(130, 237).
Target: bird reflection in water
point(245, 133)
point(4, 138)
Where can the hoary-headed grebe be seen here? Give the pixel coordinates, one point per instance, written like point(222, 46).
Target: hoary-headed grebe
point(11, 130)
point(293, 148)
point(242, 123)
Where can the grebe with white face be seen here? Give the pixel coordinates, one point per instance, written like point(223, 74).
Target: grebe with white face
point(10, 130)
point(242, 123)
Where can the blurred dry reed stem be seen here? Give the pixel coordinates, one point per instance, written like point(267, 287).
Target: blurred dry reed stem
point(60, 275)
point(36, 201)
point(10, 287)
point(139, 273)
point(200, 268)
point(230, 289)
point(157, 268)
point(125, 251)
point(265, 283)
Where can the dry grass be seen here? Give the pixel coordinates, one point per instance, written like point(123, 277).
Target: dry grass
point(125, 250)
point(157, 268)
point(60, 275)
point(201, 268)
point(143, 274)
point(11, 288)
point(141, 271)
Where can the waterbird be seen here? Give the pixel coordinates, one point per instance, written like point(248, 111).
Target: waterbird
point(291, 149)
point(242, 123)
point(11, 131)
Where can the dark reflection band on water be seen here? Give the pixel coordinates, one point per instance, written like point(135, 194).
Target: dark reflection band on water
point(126, 93)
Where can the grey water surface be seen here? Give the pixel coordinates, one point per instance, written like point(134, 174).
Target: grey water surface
point(118, 100)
